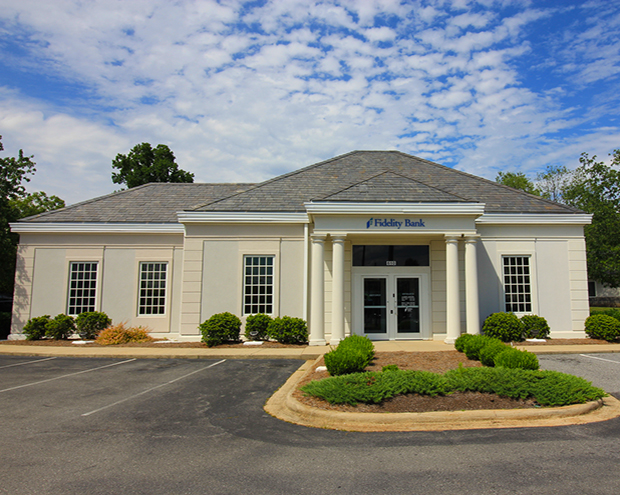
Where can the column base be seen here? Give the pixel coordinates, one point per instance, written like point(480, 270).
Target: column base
point(335, 341)
point(449, 340)
point(317, 342)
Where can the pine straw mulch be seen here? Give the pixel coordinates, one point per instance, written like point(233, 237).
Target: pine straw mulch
point(437, 362)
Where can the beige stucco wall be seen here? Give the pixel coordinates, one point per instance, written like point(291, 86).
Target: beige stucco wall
point(43, 275)
point(213, 270)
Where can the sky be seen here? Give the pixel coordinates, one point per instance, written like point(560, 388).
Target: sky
point(242, 91)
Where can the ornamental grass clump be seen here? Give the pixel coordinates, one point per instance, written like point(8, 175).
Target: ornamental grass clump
point(503, 326)
point(122, 334)
point(256, 327)
point(604, 327)
point(220, 328)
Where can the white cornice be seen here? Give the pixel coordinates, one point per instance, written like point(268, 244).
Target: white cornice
point(335, 208)
point(241, 217)
point(96, 228)
point(534, 218)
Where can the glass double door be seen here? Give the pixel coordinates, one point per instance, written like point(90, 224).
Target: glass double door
point(391, 307)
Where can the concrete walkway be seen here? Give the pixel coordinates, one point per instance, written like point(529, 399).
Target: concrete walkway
point(258, 352)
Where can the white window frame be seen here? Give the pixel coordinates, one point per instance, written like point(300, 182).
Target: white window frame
point(517, 283)
point(75, 309)
point(156, 281)
point(255, 274)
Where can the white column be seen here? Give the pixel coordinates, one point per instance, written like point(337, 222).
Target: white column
point(471, 285)
point(453, 310)
point(317, 291)
point(337, 290)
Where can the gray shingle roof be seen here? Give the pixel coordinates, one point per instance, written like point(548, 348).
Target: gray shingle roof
point(359, 176)
point(150, 203)
point(326, 180)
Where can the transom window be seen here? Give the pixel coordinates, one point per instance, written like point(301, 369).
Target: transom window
point(153, 277)
point(82, 287)
point(517, 284)
point(372, 255)
point(258, 285)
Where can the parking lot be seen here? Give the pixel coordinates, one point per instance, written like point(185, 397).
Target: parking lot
point(167, 426)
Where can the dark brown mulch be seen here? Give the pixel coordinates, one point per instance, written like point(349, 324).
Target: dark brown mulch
point(437, 362)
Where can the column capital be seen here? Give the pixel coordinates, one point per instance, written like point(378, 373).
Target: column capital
point(472, 239)
point(452, 237)
point(338, 237)
point(320, 238)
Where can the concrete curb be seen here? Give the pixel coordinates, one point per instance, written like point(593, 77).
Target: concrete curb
point(284, 406)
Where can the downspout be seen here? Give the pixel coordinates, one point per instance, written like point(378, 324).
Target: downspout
point(305, 275)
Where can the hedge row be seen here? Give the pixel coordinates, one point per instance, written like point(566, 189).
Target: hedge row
point(88, 325)
point(493, 352)
point(226, 327)
point(508, 327)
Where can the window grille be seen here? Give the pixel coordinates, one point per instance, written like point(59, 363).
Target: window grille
point(258, 285)
point(82, 287)
point(517, 284)
point(152, 299)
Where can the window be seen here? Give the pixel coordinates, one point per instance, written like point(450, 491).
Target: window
point(258, 285)
point(82, 287)
point(390, 255)
point(517, 284)
point(152, 300)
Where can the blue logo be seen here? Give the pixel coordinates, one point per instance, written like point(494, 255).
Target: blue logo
point(369, 223)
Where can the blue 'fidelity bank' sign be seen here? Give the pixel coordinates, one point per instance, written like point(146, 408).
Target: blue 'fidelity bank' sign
point(395, 224)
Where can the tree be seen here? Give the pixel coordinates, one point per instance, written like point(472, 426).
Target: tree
point(15, 203)
point(144, 164)
point(552, 182)
point(595, 189)
point(517, 180)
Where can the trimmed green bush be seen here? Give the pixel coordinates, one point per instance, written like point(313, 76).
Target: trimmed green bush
point(389, 367)
point(603, 327)
point(257, 323)
point(60, 328)
point(220, 328)
point(503, 326)
point(474, 345)
point(288, 330)
point(459, 344)
point(488, 352)
point(352, 355)
point(515, 358)
point(613, 312)
point(89, 324)
point(535, 327)
point(35, 328)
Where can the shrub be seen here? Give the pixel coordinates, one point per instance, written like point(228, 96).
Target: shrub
point(257, 323)
point(35, 328)
point(389, 367)
point(488, 352)
point(352, 355)
point(603, 327)
point(474, 345)
point(535, 327)
point(122, 334)
point(459, 344)
point(60, 328)
point(220, 328)
point(613, 312)
point(515, 358)
point(503, 326)
point(89, 324)
point(288, 330)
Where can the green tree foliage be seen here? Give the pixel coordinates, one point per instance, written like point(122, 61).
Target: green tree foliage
point(15, 203)
point(143, 164)
point(595, 189)
point(517, 180)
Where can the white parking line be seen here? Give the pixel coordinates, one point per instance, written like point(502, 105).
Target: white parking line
point(152, 388)
point(27, 362)
point(64, 376)
point(600, 359)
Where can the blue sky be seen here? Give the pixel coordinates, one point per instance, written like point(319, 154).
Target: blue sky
point(243, 91)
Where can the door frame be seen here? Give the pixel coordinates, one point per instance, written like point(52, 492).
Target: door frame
point(357, 294)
